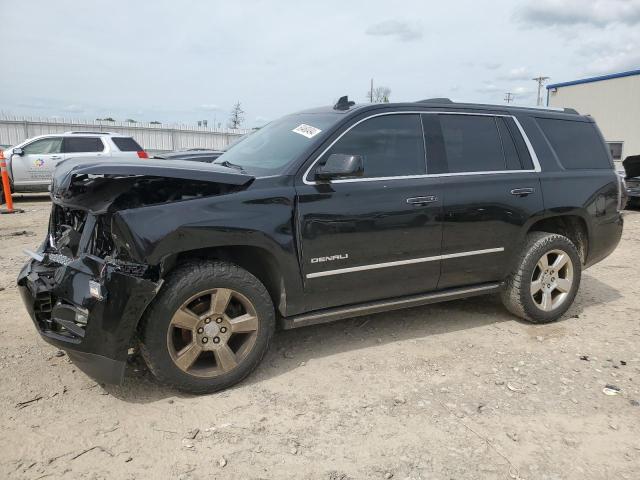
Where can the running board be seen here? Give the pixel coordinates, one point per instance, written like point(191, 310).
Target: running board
point(349, 311)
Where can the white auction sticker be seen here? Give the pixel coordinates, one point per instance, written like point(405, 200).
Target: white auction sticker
point(306, 130)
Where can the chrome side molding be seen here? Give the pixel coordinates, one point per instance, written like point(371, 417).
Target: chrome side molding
point(374, 266)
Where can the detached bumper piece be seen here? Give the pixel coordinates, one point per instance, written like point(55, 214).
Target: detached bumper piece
point(88, 307)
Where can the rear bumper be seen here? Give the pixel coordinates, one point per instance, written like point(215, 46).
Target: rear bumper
point(605, 237)
point(94, 327)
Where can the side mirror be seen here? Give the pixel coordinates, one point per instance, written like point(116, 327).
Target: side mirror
point(18, 151)
point(340, 165)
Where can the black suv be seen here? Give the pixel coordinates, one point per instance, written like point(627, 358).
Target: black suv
point(322, 215)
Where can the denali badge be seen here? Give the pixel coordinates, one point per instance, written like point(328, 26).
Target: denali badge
point(340, 256)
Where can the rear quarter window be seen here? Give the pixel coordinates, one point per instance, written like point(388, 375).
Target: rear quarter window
point(126, 144)
point(578, 145)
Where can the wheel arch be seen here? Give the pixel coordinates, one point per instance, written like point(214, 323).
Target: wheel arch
point(573, 226)
point(258, 261)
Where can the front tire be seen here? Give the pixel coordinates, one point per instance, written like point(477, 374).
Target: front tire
point(208, 328)
point(545, 281)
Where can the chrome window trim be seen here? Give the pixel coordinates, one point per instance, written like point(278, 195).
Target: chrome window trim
point(374, 266)
point(532, 153)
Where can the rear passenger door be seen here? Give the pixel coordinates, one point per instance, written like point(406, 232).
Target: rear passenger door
point(491, 188)
point(82, 146)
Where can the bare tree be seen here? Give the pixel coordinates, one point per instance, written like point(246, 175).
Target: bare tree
point(379, 95)
point(237, 116)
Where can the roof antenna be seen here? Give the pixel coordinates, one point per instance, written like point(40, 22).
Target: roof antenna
point(344, 103)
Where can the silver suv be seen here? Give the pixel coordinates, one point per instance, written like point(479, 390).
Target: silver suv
point(31, 163)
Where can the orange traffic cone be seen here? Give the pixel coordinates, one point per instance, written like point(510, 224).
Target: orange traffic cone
point(6, 186)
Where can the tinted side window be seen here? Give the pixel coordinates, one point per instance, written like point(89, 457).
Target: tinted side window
point(43, 147)
point(391, 145)
point(508, 146)
point(126, 144)
point(577, 144)
point(83, 145)
point(521, 146)
point(472, 143)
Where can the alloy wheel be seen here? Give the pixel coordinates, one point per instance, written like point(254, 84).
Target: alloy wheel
point(212, 332)
point(552, 280)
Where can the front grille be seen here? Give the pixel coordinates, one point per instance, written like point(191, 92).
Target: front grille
point(43, 305)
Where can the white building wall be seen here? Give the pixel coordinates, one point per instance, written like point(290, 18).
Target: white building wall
point(613, 103)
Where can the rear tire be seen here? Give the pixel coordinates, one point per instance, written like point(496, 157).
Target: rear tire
point(545, 280)
point(208, 328)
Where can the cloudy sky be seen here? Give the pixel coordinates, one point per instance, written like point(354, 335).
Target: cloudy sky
point(186, 60)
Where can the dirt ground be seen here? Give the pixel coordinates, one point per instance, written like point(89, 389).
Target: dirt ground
point(451, 391)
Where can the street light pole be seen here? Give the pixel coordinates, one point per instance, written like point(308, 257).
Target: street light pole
point(540, 81)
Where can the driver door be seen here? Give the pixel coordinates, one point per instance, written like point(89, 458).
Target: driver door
point(34, 168)
point(377, 236)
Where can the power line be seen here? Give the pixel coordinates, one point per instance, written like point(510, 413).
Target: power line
point(540, 81)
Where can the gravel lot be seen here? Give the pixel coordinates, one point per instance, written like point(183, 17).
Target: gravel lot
point(450, 391)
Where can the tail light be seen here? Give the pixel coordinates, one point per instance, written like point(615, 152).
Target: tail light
point(622, 193)
point(142, 154)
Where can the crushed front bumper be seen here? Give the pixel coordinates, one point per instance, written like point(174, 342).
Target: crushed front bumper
point(88, 308)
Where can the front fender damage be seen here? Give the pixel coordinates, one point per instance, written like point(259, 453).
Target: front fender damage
point(86, 288)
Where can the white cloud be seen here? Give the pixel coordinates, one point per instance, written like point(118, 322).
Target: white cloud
point(394, 28)
point(492, 65)
point(626, 58)
point(208, 107)
point(488, 87)
point(73, 108)
point(519, 73)
point(576, 12)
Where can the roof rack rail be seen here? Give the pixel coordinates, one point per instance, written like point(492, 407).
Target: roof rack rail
point(436, 100)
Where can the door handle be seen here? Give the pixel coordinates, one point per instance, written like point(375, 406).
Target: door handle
point(522, 192)
point(55, 157)
point(422, 200)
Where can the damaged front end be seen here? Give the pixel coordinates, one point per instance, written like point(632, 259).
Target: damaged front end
point(81, 287)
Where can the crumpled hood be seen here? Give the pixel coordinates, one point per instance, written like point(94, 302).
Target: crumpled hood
point(632, 166)
point(182, 169)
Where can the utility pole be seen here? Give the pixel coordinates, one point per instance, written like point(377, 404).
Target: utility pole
point(371, 92)
point(508, 97)
point(540, 81)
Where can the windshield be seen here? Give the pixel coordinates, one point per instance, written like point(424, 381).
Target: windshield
point(269, 150)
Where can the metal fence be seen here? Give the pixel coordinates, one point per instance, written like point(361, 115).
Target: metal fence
point(152, 137)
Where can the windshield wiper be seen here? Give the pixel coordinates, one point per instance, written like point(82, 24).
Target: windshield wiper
point(228, 164)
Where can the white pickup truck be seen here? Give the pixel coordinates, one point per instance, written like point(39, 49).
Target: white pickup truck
point(31, 163)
